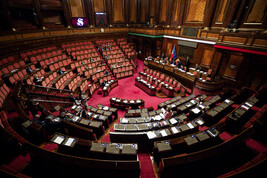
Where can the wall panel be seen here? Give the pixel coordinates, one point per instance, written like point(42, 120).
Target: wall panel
point(76, 8)
point(196, 11)
point(163, 11)
point(233, 65)
point(143, 12)
point(207, 57)
point(133, 6)
point(118, 11)
point(99, 6)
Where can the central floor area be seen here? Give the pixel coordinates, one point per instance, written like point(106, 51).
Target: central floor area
point(127, 90)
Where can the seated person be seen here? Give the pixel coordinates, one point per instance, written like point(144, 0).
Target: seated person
point(37, 80)
point(71, 98)
point(103, 84)
point(179, 64)
point(29, 70)
point(92, 60)
point(60, 72)
point(106, 73)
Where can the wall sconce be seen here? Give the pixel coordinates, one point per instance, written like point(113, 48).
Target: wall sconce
point(68, 26)
point(179, 27)
point(110, 25)
point(43, 28)
point(14, 29)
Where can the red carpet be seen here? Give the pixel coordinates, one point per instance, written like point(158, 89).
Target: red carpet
point(127, 90)
point(19, 162)
point(146, 166)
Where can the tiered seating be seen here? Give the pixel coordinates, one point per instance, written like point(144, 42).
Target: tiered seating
point(162, 82)
point(41, 51)
point(115, 58)
point(4, 91)
point(59, 82)
point(129, 51)
point(81, 50)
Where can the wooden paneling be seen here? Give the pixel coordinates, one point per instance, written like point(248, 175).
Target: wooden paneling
point(260, 42)
point(118, 11)
point(169, 49)
point(213, 35)
point(207, 57)
point(223, 5)
point(175, 12)
point(143, 12)
point(163, 12)
point(99, 5)
point(196, 11)
point(133, 7)
point(233, 65)
point(76, 8)
point(234, 39)
point(152, 7)
point(257, 12)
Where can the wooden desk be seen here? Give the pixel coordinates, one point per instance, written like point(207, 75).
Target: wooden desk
point(124, 103)
point(149, 89)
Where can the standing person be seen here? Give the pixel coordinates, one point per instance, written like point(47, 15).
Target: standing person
point(187, 64)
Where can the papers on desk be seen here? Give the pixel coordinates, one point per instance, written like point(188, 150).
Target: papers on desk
point(245, 107)
point(196, 110)
point(113, 99)
point(173, 105)
point(74, 106)
point(188, 105)
point(162, 115)
point(69, 141)
point(190, 125)
point(75, 118)
point(248, 104)
point(171, 88)
point(105, 108)
point(201, 106)
point(151, 135)
point(118, 100)
point(199, 122)
point(124, 120)
point(227, 101)
point(138, 101)
point(173, 121)
point(157, 118)
point(174, 130)
point(132, 101)
point(125, 101)
point(59, 139)
point(105, 88)
point(193, 101)
point(163, 133)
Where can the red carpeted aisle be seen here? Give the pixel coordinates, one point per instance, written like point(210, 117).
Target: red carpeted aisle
point(146, 166)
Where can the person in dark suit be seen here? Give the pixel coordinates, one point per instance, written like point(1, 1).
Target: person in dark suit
point(179, 64)
point(71, 98)
point(187, 64)
point(29, 70)
point(37, 80)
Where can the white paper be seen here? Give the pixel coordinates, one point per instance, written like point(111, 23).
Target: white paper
point(248, 104)
point(69, 141)
point(196, 110)
point(173, 121)
point(174, 130)
point(157, 118)
point(105, 108)
point(132, 101)
point(59, 140)
point(163, 133)
point(200, 122)
point(190, 125)
point(124, 120)
point(245, 107)
point(227, 101)
point(151, 135)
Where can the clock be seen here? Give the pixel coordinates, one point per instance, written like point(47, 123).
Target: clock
point(102, 30)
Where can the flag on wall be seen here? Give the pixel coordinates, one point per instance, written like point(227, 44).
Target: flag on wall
point(173, 55)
